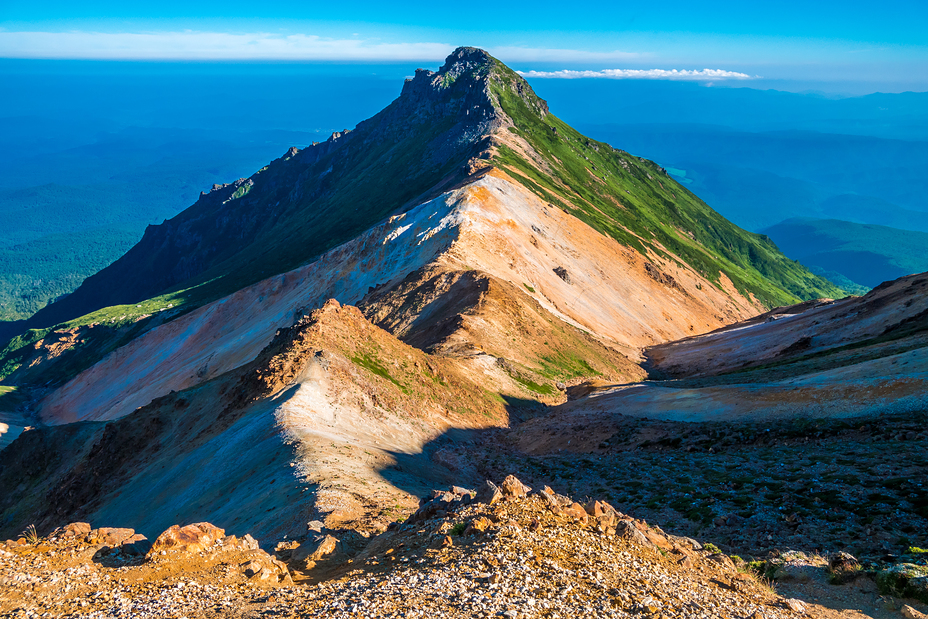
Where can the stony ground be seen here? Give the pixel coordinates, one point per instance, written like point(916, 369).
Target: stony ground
point(858, 485)
point(518, 557)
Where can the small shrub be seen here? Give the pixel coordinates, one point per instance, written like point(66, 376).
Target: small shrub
point(458, 529)
point(30, 535)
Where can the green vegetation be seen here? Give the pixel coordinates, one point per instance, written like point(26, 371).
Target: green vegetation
point(372, 363)
point(457, 529)
point(34, 273)
point(303, 204)
point(10, 397)
point(638, 204)
point(529, 288)
point(564, 365)
point(30, 535)
point(533, 386)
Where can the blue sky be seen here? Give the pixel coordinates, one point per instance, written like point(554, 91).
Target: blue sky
point(882, 45)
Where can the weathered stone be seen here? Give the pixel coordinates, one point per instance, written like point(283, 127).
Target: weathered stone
point(910, 613)
point(313, 550)
point(477, 525)
point(796, 606)
point(137, 545)
point(577, 512)
point(550, 501)
point(108, 536)
point(314, 526)
point(605, 521)
point(723, 560)
point(191, 538)
point(75, 529)
point(249, 543)
point(462, 491)
point(513, 488)
point(627, 530)
point(251, 569)
point(264, 568)
point(489, 493)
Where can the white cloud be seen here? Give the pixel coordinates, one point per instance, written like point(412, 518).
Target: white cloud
point(197, 45)
point(647, 74)
point(203, 45)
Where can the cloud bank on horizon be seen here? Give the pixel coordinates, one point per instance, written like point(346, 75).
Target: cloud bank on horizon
point(204, 45)
point(652, 74)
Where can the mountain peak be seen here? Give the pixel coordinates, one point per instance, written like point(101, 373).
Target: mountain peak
point(469, 85)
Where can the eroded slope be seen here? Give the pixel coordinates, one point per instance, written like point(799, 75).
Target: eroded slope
point(301, 432)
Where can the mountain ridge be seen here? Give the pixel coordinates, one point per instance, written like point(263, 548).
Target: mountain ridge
point(448, 122)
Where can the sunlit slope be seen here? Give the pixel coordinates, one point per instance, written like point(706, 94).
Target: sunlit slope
point(445, 127)
point(637, 202)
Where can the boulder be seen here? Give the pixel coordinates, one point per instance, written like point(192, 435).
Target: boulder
point(489, 493)
point(231, 542)
point(262, 567)
point(190, 539)
point(462, 491)
point(576, 511)
point(513, 488)
point(797, 606)
point(605, 521)
point(551, 502)
point(627, 530)
point(137, 545)
point(70, 531)
point(478, 525)
point(910, 613)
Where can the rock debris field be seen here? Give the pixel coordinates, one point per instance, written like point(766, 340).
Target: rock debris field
point(499, 555)
point(501, 551)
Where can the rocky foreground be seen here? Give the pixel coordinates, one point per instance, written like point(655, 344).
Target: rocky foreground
point(501, 552)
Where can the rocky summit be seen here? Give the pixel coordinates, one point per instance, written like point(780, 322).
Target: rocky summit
point(462, 360)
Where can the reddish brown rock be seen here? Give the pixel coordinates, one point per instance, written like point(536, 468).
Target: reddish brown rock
point(477, 525)
point(191, 538)
point(75, 529)
point(313, 550)
point(577, 512)
point(513, 488)
point(109, 536)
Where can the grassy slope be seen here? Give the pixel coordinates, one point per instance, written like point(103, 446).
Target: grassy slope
point(866, 254)
point(654, 209)
point(391, 160)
